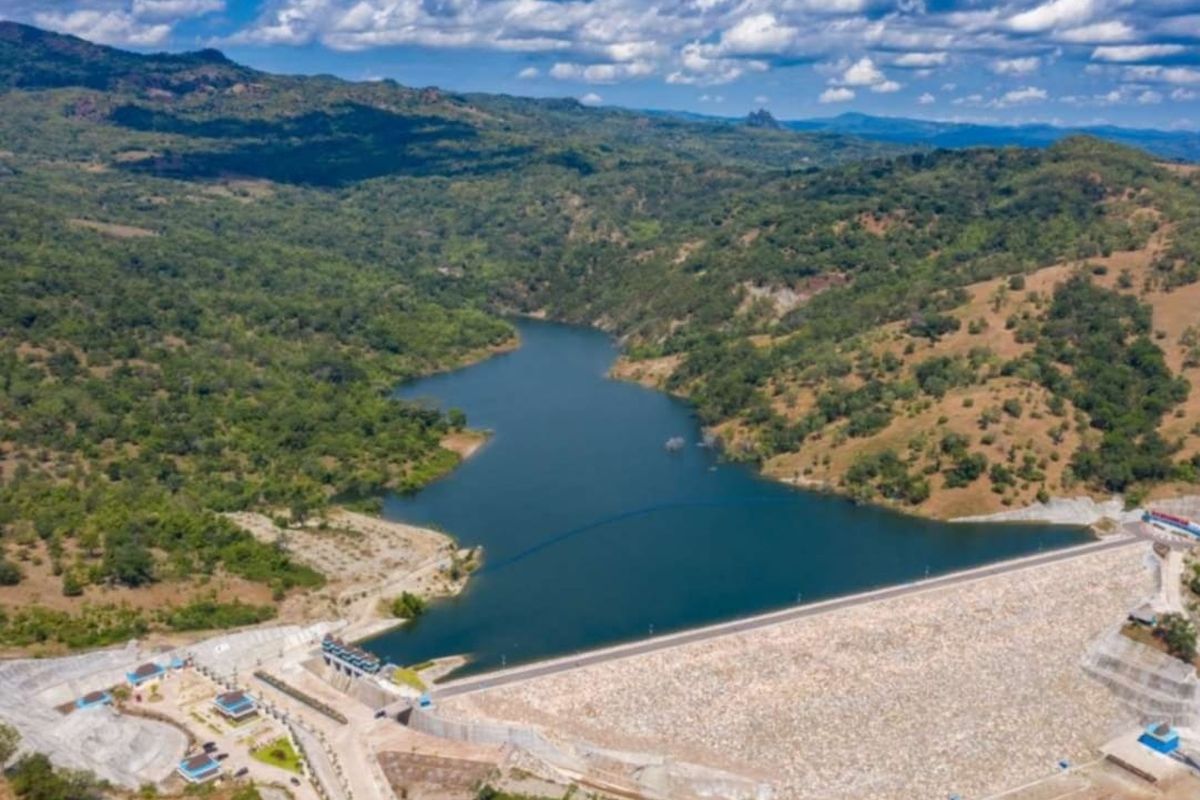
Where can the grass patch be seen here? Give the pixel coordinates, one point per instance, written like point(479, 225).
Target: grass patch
point(279, 753)
point(408, 677)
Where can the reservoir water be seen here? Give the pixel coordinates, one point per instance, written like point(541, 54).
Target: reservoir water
point(594, 532)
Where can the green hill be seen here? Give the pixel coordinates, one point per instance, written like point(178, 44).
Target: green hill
point(213, 276)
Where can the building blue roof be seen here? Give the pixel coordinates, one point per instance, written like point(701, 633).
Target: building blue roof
point(1161, 737)
point(235, 703)
point(199, 767)
point(93, 699)
point(145, 672)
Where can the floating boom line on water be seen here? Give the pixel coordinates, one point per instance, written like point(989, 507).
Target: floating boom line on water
point(674, 505)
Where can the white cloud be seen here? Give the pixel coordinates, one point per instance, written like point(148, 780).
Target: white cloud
point(1053, 14)
point(926, 99)
point(1027, 94)
point(863, 73)
point(106, 27)
point(600, 73)
point(1180, 75)
point(894, 44)
point(756, 35)
point(920, 60)
point(1026, 65)
point(699, 68)
point(591, 99)
point(1150, 97)
point(836, 94)
point(761, 99)
point(1097, 33)
point(174, 10)
point(1180, 94)
point(1135, 52)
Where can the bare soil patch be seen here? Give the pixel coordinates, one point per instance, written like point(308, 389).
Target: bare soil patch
point(650, 372)
point(366, 561)
point(111, 229)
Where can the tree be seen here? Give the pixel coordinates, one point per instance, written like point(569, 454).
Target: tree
point(408, 606)
point(33, 777)
point(1179, 634)
point(9, 741)
point(130, 563)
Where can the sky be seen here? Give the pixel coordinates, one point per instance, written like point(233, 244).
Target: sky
point(1125, 62)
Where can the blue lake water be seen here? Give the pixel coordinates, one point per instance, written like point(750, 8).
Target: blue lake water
point(594, 533)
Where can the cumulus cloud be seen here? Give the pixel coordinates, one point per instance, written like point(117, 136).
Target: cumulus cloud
point(862, 73)
point(125, 23)
point(856, 45)
point(758, 34)
point(926, 99)
point(1098, 33)
point(600, 73)
point(1027, 94)
point(1180, 75)
point(1135, 52)
point(591, 99)
point(836, 94)
point(1016, 66)
point(106, 27)
point(1053, 14)
point(174, 10)
point(920, 60)
point(698, 67)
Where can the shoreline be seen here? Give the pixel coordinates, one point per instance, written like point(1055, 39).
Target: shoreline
point(367, 561)
point(1085, 511)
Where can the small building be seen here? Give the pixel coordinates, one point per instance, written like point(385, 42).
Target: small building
point(236, 705)
point(146, 672)
point(1161, 737)
point(346, 658)
point(425, 701)
point(94, 699)
point(200, 768)
point(1144, 615)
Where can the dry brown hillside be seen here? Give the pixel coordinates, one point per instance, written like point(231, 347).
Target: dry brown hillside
point(1009, 420)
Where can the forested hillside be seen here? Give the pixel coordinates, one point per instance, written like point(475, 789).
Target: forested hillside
point(212, 278)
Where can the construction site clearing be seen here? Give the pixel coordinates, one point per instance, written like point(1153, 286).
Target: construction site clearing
point(1029, 684)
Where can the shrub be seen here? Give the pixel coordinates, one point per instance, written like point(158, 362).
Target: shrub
point(10, 573)
point(408, 606)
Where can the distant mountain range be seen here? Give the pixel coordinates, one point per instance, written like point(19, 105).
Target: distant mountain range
point(1181, 145)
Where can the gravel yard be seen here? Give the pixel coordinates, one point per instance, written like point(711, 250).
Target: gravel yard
point(967, 689)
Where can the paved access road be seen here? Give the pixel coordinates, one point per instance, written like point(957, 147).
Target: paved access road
point(538, 669)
